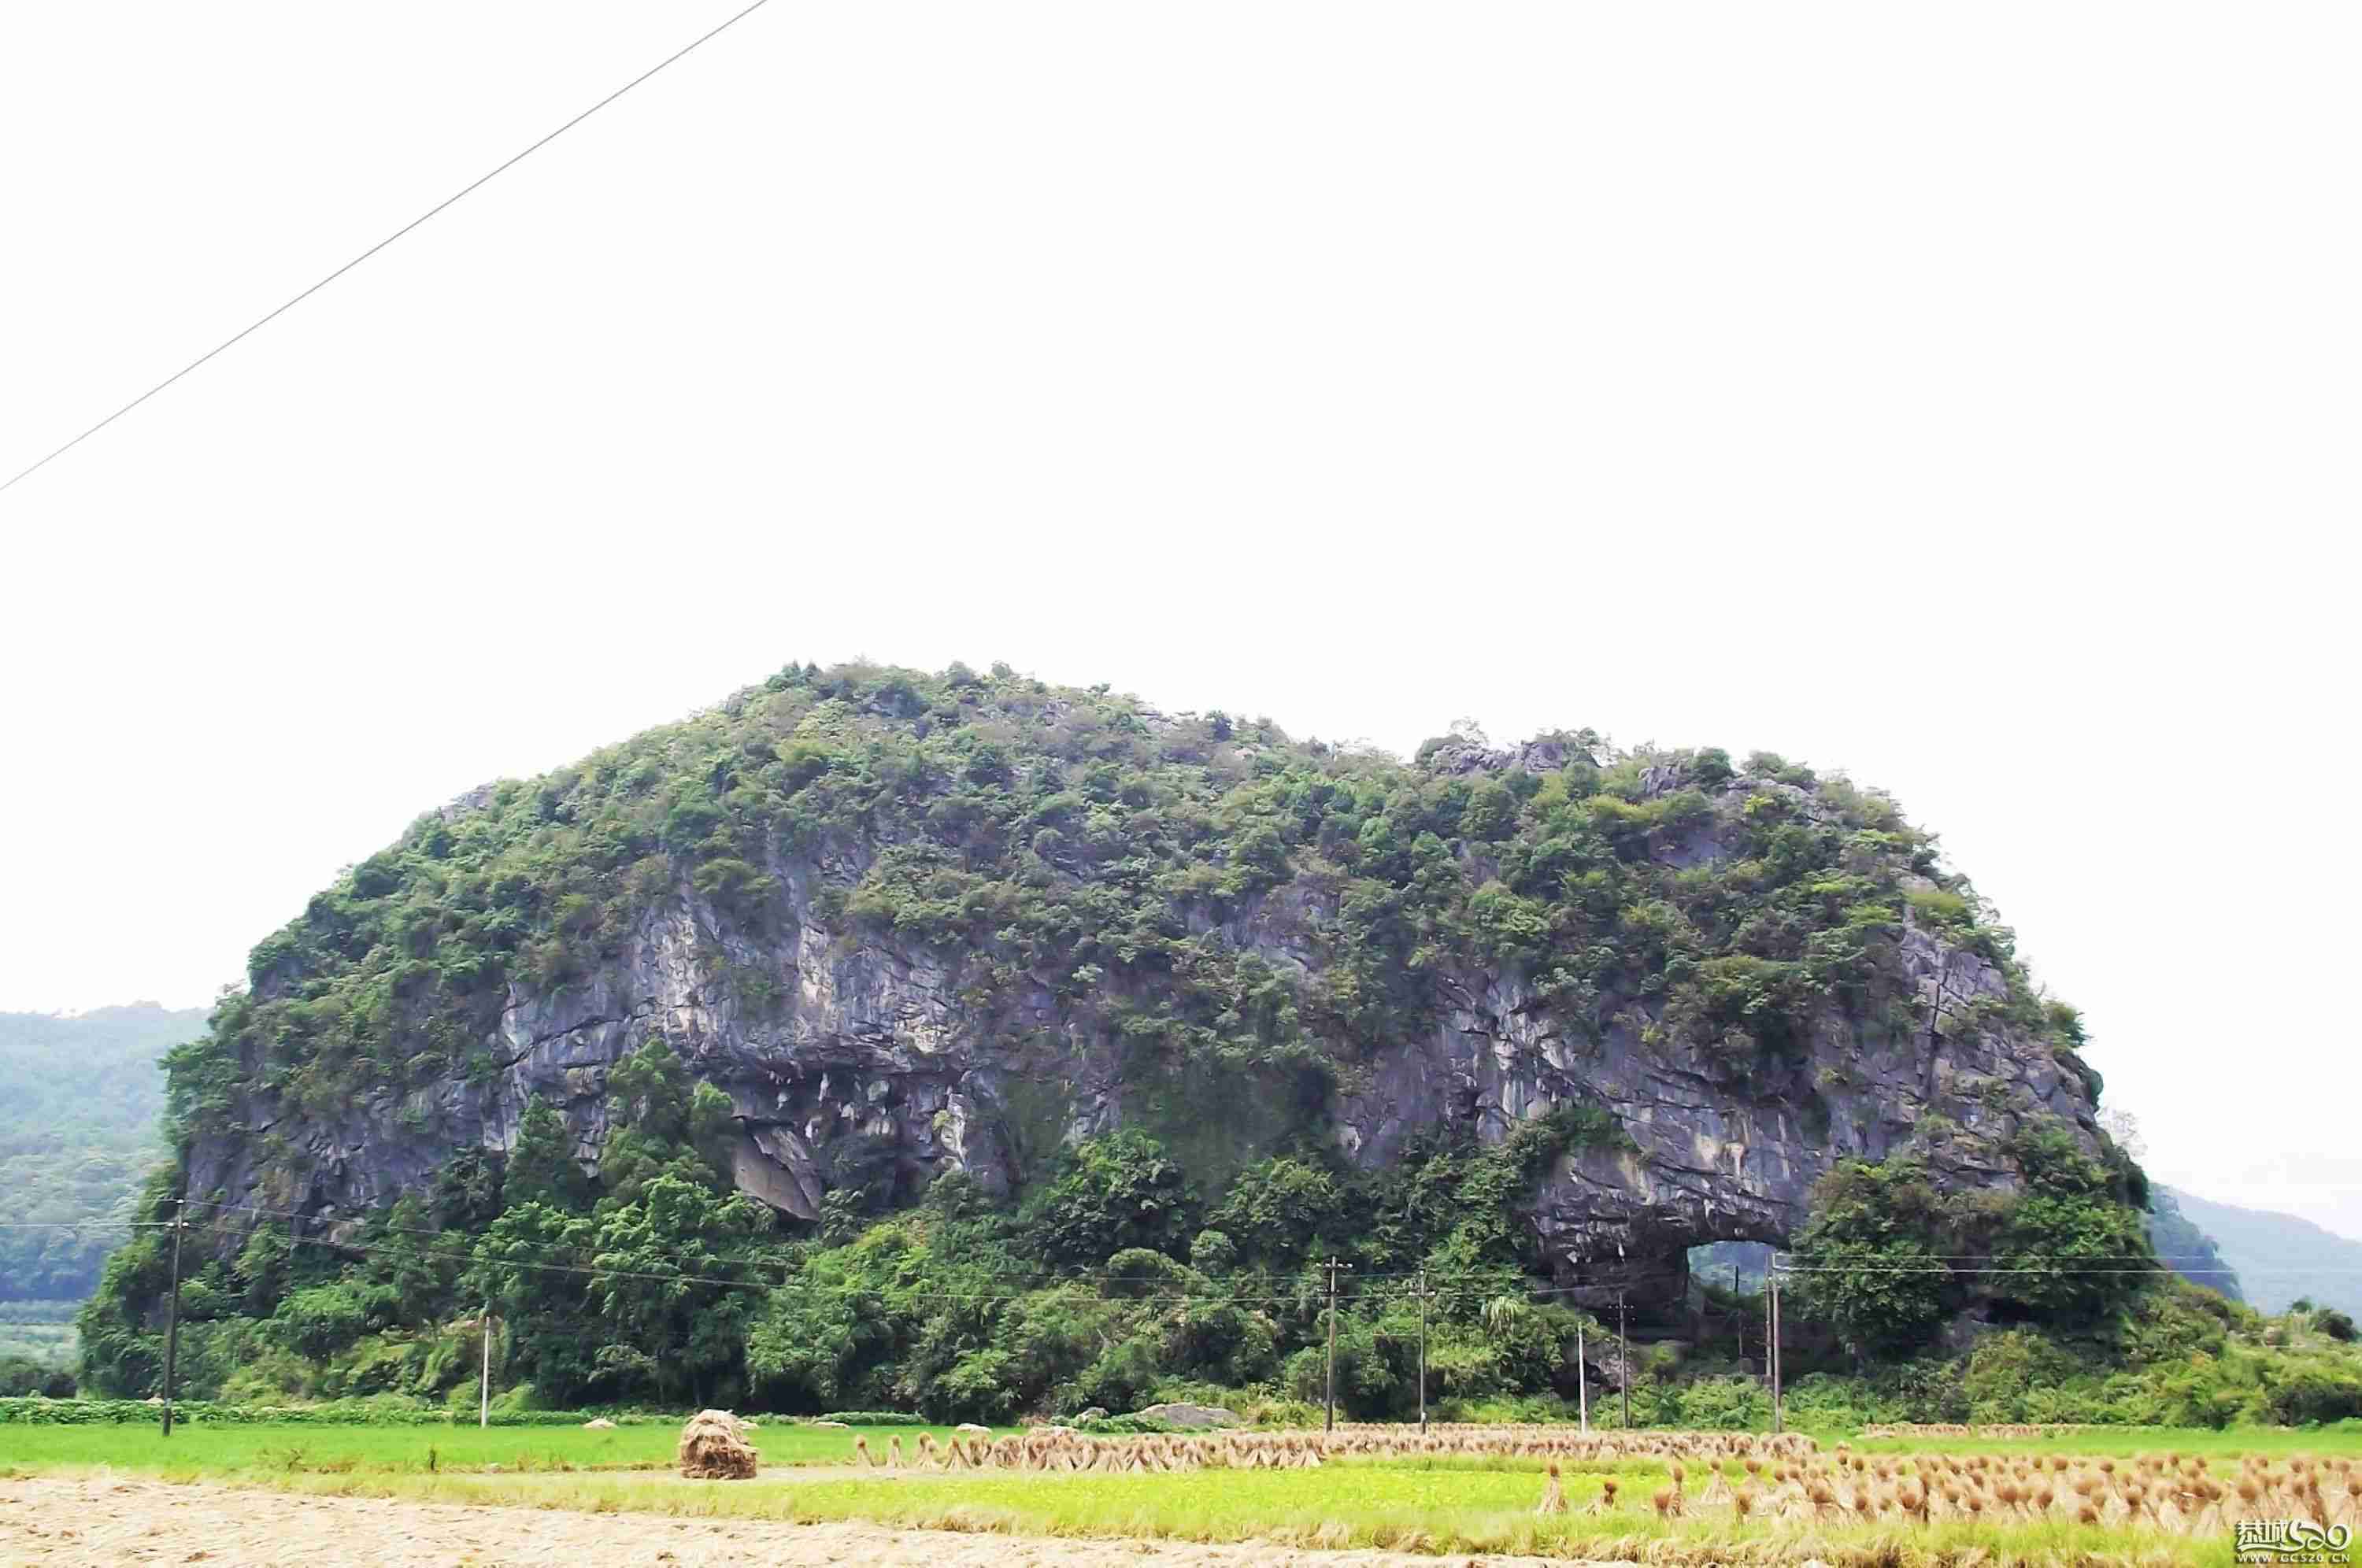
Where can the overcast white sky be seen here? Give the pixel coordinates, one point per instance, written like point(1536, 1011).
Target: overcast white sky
point(1965, 399)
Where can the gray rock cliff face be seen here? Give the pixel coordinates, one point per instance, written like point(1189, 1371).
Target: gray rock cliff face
point(850, 1042)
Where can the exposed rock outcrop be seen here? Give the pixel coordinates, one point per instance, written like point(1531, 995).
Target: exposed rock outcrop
point(873, 1041)
point(1193, 1418)
point(836, 1038)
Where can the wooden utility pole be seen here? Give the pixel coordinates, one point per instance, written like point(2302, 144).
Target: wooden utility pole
point(172, 1315)
point(1424, 1293)
point(1329, 1422)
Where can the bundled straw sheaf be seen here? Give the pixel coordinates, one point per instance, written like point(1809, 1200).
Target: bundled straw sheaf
point(2167, 1494)
point(1746, 1498)
point(1784, 1484)
point(713, 1447)
point(1954, 1429)
point(1061, 1449)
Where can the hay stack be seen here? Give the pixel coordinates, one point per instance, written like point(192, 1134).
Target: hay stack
point(713, 1447)
point(1554, 1499)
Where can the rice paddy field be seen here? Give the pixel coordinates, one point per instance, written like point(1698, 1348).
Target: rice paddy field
point(249, 1452)
point(1951, 1496)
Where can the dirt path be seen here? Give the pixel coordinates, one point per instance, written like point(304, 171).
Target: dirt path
point(92, 1519)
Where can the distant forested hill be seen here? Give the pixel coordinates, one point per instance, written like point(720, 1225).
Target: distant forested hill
point(79, 1102)
point(2279, 1257)
point(2186, 1248)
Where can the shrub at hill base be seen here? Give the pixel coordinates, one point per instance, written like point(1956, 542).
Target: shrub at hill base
point(1887, 1258)
point(915, 1313)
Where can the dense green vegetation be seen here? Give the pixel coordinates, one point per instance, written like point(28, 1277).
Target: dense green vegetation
point(2176, 1354)
point(1907, 1327)
point(1114, 1280)
point(966, 1310)
point(1889, 1256)
point(1034, 836)
point(2087, 1331)
point(79, 1102)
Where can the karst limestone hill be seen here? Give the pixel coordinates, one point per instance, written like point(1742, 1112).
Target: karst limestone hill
point(901, 924)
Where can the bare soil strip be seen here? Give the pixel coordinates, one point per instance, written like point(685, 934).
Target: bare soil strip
point(56, 1521)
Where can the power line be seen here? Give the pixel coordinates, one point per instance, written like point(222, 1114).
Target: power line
point(1306, 1291)
point(597, 1271)
point(2064, 1269)
point(388, 240)
point(1055, 1276)
point(1839, 1259)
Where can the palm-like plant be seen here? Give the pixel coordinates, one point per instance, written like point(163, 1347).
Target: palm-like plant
point(1502, 1313)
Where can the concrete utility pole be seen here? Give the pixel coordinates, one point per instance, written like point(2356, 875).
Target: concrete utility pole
point(1772, 1280)
point(1329, 1423)
point(1424, 1293)
point(172, 1315)
point(484, 1386)
point(1581, 1383)
point(1624, 1355)
point(1768, 1373)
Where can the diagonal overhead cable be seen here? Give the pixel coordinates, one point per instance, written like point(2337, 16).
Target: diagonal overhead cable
point(390, 239)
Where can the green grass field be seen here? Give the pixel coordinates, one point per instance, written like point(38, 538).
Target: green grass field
point(1481, 1505)
point(243, 1449)
point(2123, 1441)
point(227, 1450)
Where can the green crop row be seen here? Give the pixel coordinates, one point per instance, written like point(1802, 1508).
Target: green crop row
point(338, 1413)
